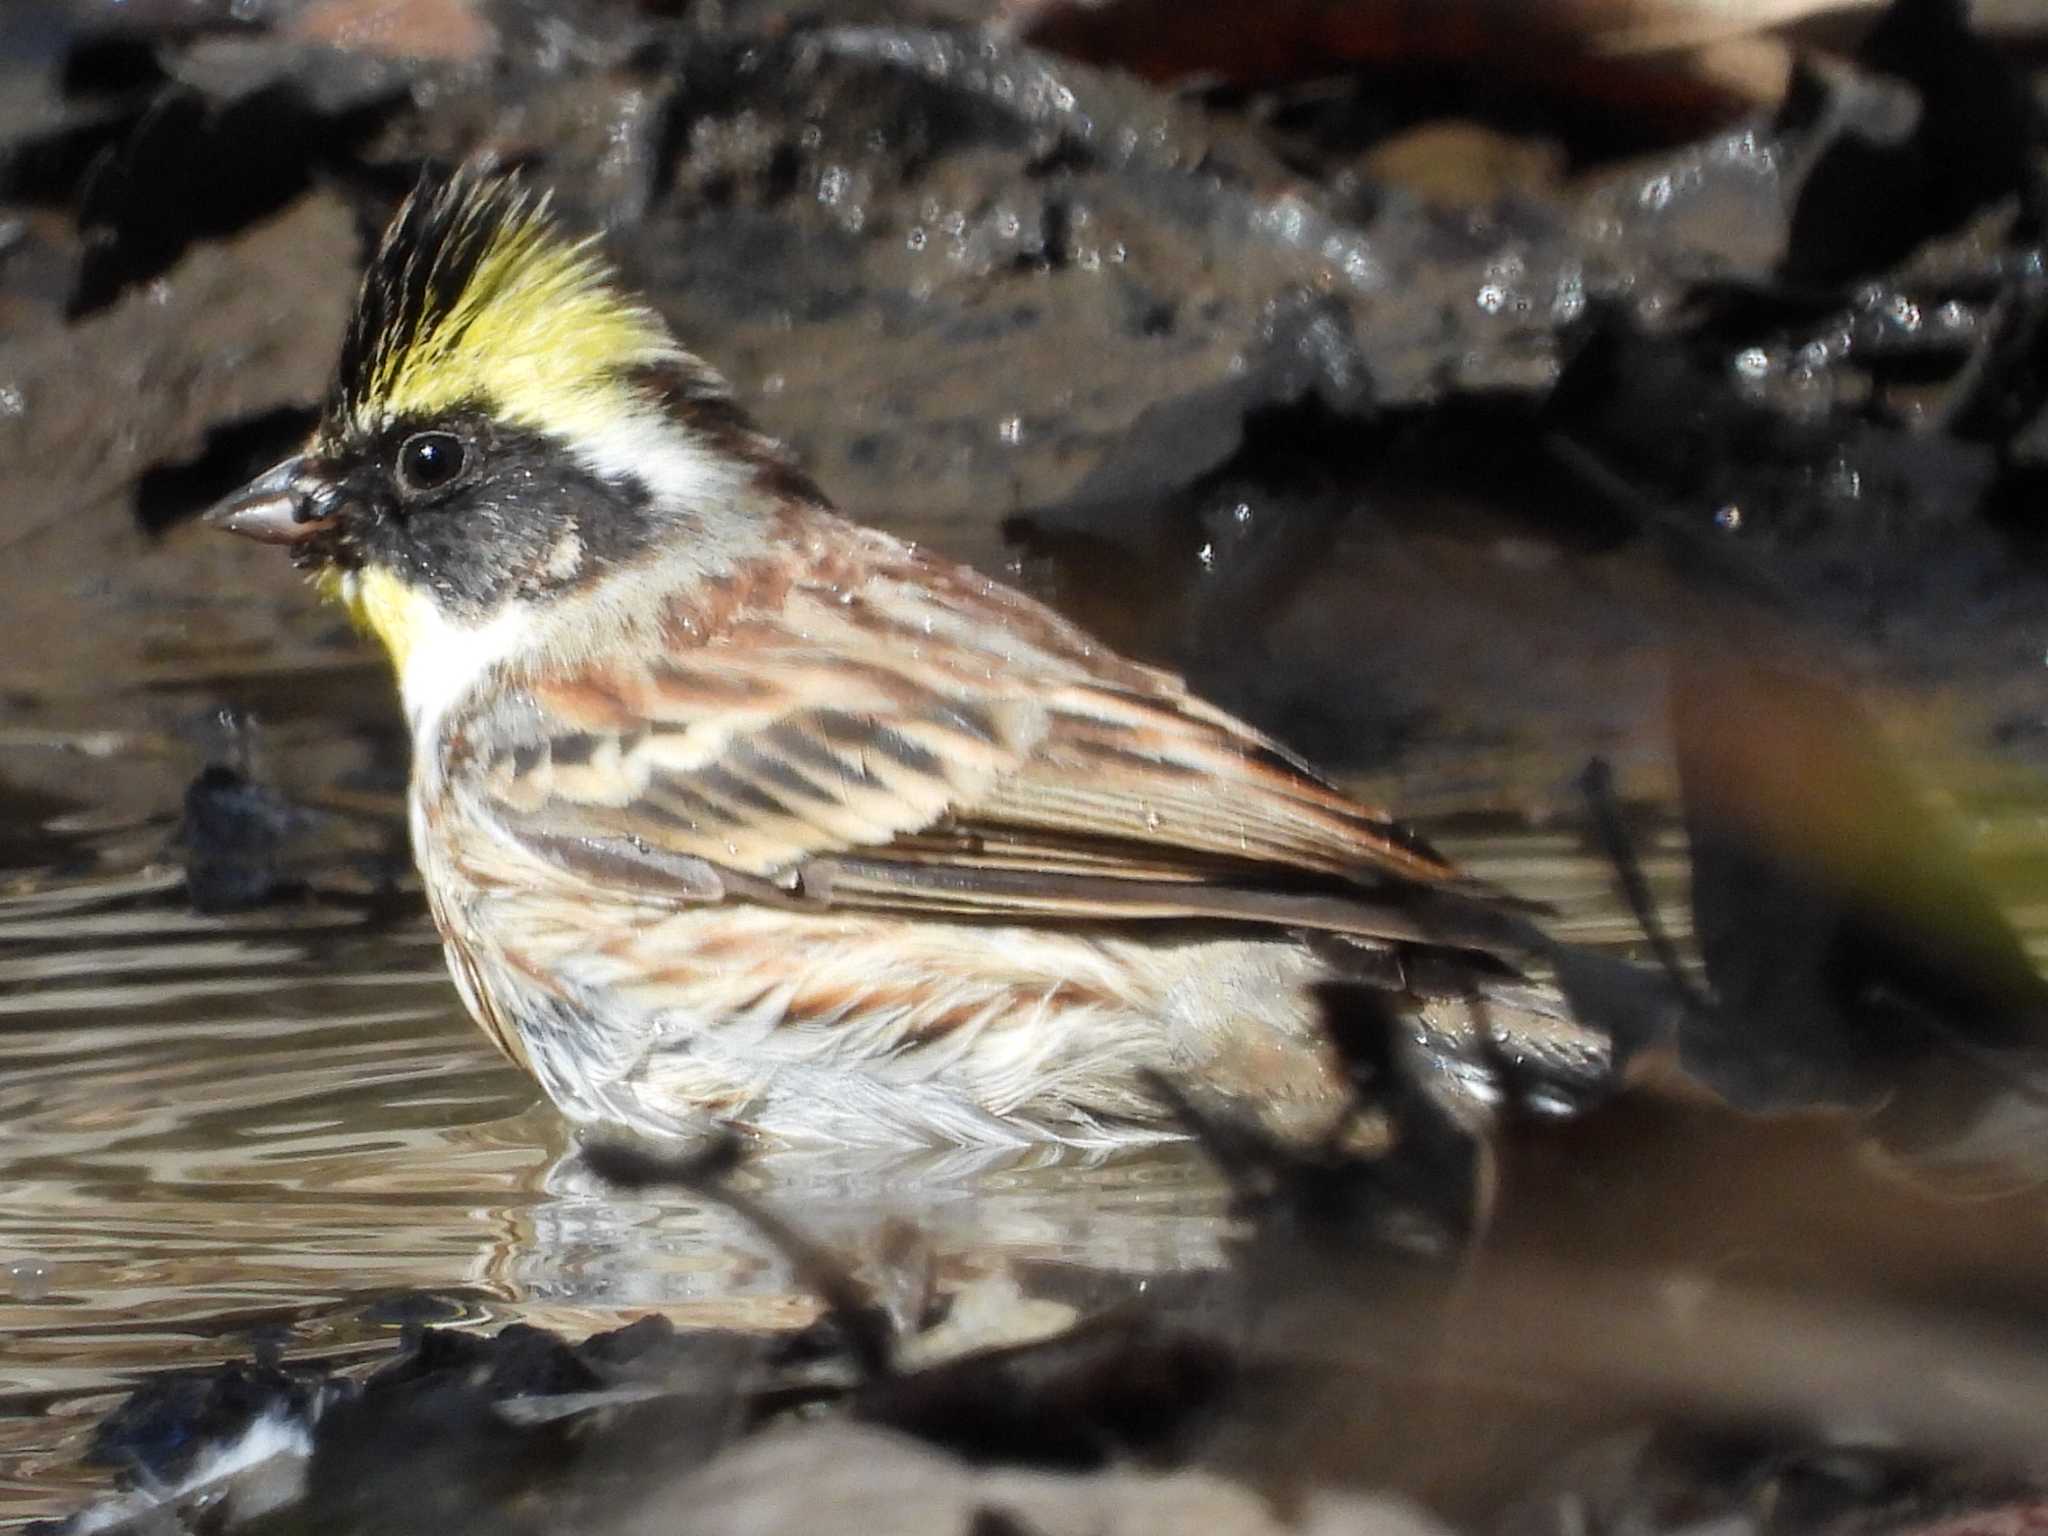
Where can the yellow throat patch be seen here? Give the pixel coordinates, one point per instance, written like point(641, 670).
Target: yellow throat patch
point(380, 604)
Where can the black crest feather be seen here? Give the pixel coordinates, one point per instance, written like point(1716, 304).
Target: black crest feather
point(423, 264)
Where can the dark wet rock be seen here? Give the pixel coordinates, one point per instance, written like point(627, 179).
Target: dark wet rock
point(519, 1361)
point(194, 168)
point(167, 1425)
point(1118, 1391)
point(234, 835)
point(246, 844)
point(1755, 446)
point(1228, 495)
point(137, 385)
point(523, 1427)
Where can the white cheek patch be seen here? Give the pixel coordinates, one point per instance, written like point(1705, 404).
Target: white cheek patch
point(647, 446)
point(565, 557)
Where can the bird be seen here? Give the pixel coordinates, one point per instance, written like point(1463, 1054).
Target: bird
point(733, 813)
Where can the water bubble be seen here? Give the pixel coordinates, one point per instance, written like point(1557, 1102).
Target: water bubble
point(28, 1280)
point(1549, 1102)
point(1752, 362)
point(1728, 518)
point(1568, 300)
point(1491, 298)
point(1359, 266)
point(12, 401)
point(1207, 555)
point(1011, 430)
point(1286, 219)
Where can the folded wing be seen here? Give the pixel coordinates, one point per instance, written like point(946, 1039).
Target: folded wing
point(925, 741)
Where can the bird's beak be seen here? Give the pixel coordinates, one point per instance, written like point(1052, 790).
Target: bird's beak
point(287, 504)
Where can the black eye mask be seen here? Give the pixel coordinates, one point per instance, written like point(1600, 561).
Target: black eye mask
point(473, 510)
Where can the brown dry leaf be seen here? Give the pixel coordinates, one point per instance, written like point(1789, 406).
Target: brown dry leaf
point(1588, 50)
point(1463, 164)
point(1676, 63)
point(398, 29)
point(1650, 26)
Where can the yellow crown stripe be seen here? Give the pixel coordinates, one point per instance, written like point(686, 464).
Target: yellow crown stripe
point(539, 334)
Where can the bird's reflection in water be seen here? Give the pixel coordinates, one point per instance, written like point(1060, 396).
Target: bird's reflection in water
point(1134, 1212)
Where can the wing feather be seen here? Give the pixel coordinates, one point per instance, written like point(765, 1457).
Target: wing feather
point(919, 739)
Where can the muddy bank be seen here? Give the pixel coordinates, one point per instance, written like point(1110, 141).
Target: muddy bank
point(1420, 463)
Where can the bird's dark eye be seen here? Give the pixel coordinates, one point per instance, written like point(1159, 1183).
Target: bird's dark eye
point(429, 461)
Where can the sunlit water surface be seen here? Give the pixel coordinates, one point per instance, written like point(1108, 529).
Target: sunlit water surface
point(222, 1130)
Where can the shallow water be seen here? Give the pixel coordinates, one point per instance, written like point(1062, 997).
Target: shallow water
point(220, 1130)
point(269, 1127)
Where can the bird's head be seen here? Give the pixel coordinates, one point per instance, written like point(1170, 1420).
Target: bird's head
point(506, 428)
